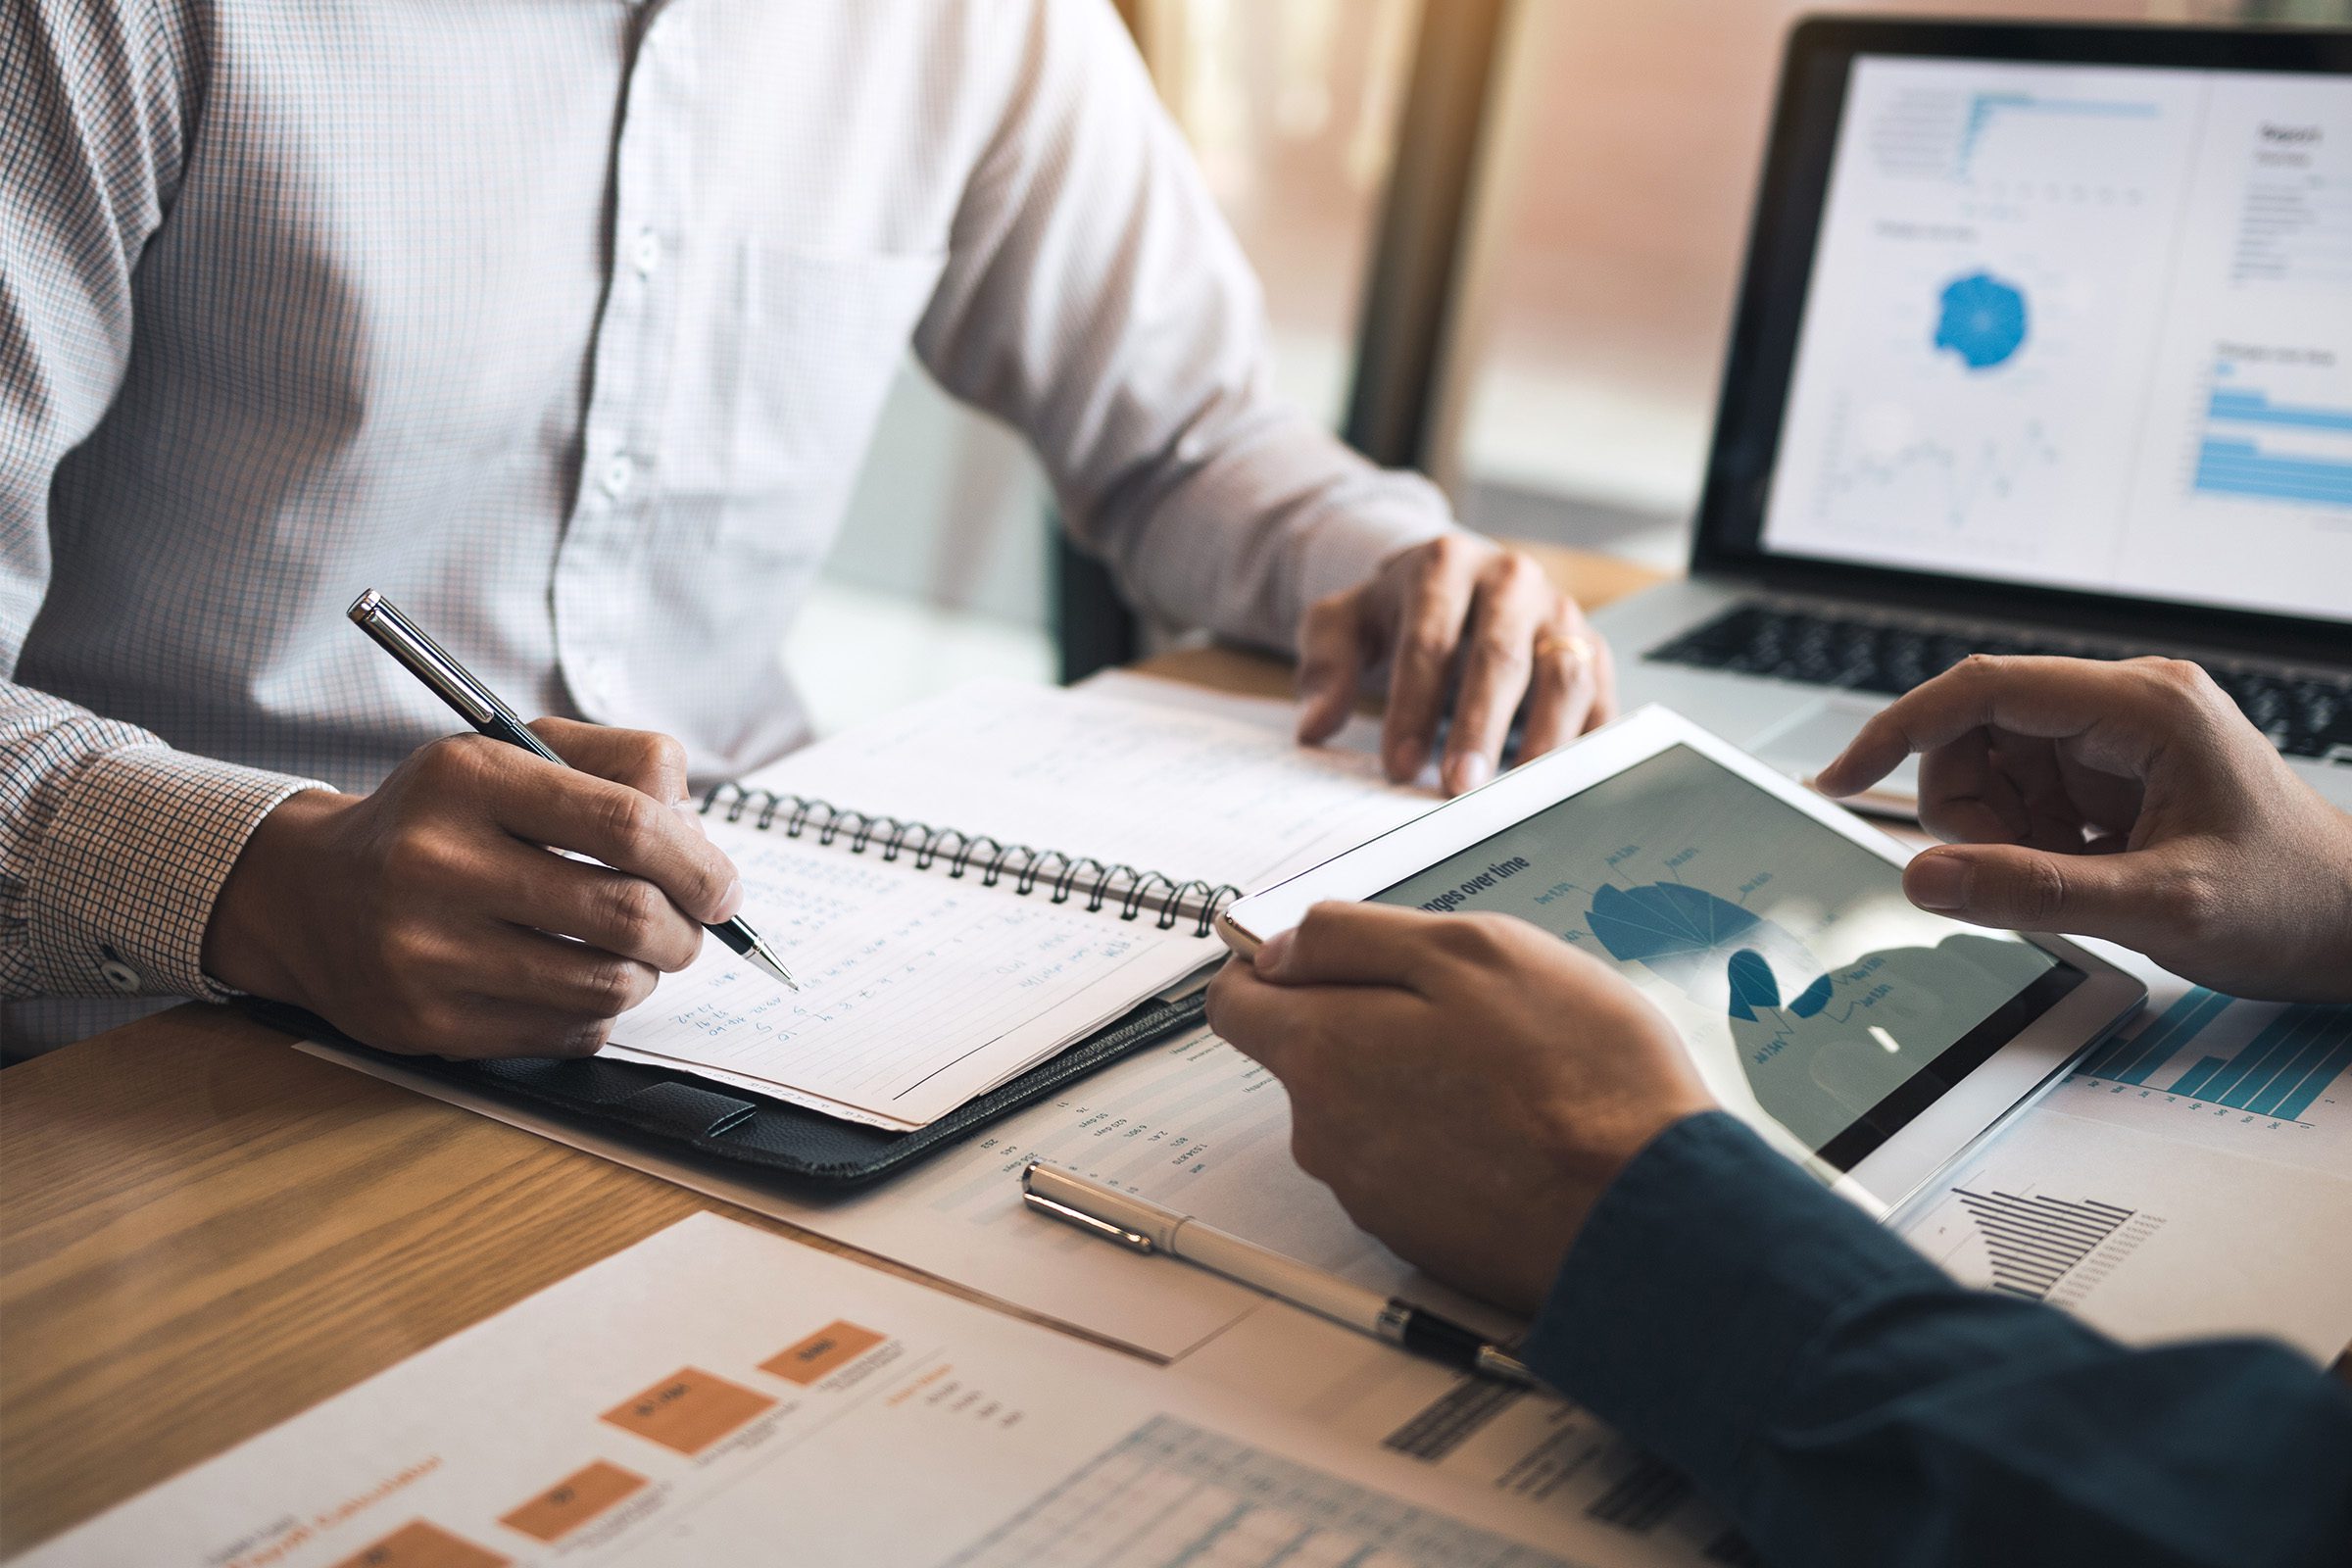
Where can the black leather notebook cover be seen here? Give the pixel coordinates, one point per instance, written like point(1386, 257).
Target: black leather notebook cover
point(677, 1115)
point(674, 1112)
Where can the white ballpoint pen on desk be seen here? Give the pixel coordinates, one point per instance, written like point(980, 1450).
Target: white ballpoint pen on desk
point(1145, 1227)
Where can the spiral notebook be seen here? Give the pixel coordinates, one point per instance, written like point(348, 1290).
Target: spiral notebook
point(973, 884)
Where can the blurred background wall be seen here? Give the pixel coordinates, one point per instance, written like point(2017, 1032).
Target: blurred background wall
point(1621, 139)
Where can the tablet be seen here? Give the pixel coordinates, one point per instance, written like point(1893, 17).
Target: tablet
point(1868, 1039)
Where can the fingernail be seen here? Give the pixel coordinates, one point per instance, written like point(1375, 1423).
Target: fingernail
point(1404, 761)
point(1938, 882)
point(1274, 952)
point(730, 900)
point(692, 813)
point(1469, 772)
point(1311, 719)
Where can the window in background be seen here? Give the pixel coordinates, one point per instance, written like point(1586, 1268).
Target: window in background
point(941, 570)
point(1292, 107)
point(1629, 143)
point(1626, 139)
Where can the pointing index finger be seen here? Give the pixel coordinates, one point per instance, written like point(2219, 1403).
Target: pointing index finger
point(2047, 697)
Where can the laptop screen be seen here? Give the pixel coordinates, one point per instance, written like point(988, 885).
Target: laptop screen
point(2087, 327)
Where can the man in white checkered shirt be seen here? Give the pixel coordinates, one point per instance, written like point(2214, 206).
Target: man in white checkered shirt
point(565, 323)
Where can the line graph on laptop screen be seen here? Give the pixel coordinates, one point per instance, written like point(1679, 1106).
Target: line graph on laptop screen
point(1806, 986)
point(2083, 327)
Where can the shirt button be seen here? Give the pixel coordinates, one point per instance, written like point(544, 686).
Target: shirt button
point(646, 254)
point(619, 474)
point(122, 976)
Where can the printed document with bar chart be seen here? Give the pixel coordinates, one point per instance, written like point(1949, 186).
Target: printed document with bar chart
point(2189, 1177)
point(717, 1395)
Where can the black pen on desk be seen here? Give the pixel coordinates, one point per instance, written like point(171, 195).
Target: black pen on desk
point(479, 707)
point(1145, 1227)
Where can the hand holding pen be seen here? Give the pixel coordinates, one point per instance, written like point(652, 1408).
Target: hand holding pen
point(429, 916)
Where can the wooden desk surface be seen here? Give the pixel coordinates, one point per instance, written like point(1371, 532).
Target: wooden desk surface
point(205, 1231)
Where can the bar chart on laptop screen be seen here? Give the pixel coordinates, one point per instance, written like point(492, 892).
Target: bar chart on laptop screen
point(2273, 434)
point(2245, 496)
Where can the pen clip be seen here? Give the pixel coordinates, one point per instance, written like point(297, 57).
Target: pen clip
point(1131, 1239)
point(427, 661)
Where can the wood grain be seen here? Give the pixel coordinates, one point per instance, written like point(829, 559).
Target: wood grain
point(206, 1231)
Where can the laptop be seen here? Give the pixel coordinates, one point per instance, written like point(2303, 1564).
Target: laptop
point(2045, 345)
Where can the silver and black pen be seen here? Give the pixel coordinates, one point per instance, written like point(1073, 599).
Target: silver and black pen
point(479, 707)
point(1145, 1227)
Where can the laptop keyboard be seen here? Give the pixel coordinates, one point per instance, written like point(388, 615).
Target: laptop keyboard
point(2304, 716)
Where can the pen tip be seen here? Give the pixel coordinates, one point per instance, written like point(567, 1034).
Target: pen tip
point(766, 959)
point(1501, 1365)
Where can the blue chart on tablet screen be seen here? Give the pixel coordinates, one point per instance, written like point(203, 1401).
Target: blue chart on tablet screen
point(1786, 955)
point(1689, 935)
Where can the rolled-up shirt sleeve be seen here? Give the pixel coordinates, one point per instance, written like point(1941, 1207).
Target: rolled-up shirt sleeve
point(1848, 1403)
point(1094, 298)
point(113, 845)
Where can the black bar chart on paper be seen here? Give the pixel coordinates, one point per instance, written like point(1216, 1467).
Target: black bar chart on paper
point(2034, 1240)
point(2173, 1184)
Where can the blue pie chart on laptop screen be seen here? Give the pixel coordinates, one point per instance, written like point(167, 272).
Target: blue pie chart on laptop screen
point(1983, 320)
point(1721, 956)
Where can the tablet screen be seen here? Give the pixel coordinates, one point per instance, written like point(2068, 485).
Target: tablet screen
point(1822, 1007)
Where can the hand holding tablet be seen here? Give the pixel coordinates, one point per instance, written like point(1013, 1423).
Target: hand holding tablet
point(1430, 1090)
point(1867, 1039)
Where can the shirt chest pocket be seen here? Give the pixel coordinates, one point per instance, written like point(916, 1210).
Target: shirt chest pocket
point(803, 351)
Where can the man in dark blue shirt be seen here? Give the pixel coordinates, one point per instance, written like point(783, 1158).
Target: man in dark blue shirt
point(1840, 1397)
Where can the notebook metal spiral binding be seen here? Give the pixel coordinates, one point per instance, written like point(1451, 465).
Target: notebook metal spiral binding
point(1169, 901)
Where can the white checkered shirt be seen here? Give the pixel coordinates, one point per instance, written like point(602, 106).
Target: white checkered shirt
point(565, 323)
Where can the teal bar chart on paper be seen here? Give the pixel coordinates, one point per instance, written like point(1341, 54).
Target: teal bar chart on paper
point(2281, 1071)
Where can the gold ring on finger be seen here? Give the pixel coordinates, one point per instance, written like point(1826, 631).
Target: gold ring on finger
point(1577, 648)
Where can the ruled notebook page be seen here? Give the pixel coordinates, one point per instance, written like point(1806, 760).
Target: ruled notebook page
point(1126, 769)
point(920, 989)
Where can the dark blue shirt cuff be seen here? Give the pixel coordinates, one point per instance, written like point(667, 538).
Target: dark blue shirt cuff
point(1696, 1285)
